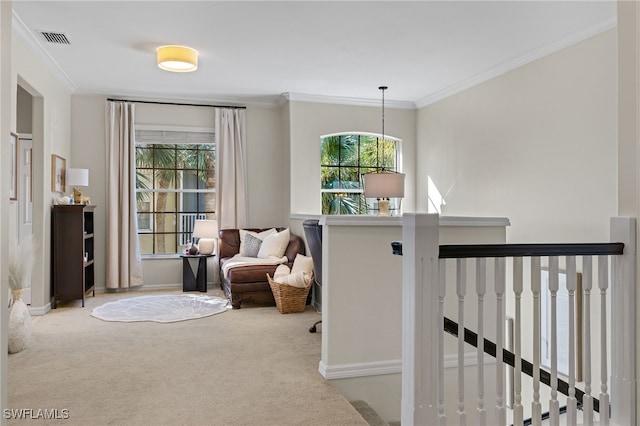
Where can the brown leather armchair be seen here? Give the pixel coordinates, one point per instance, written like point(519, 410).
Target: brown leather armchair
point(249, 282)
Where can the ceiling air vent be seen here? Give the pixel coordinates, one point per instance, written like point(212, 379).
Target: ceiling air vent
point(57, 38)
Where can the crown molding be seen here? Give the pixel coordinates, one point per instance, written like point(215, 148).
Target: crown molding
point(34, 46)
point(517, 62)
point(337, 100)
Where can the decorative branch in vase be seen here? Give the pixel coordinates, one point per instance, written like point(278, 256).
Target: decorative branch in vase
point(20, 267)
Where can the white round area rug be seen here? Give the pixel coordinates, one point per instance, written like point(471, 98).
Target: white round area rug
point(161, 308)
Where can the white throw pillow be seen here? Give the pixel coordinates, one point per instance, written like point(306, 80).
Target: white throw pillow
point(302, 263)
point(275, 245)
point(281, 271)
point(300, 279)
point(260, 235)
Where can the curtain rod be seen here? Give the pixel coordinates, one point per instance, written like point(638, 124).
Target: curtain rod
point(177, 103)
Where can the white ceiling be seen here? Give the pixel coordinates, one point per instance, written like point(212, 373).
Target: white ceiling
point(252, 52)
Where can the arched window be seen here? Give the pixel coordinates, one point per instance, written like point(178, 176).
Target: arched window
point(343, 160)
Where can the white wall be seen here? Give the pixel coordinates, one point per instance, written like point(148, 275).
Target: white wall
point(362, 303)
point(51, 135)
point(5, 128)
point(24, 112)
point(266, 169)
point(309, 121)
point(537, 145)
point(268, 165)
point(629, 136)
point(89, 152)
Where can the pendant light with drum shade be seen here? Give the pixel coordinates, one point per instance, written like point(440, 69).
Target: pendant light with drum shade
point(384, 184)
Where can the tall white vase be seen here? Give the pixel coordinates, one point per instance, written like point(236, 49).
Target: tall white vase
point(19, 323)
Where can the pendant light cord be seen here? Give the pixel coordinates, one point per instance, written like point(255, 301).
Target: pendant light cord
point(383, 88)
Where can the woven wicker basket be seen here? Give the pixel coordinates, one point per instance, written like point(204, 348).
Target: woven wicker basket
point(289, 299)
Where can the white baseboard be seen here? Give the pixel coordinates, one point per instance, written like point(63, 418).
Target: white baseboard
point(39, 311)
point(345, 371)
point(377, 368)
point(147, 287)
point(144, 287)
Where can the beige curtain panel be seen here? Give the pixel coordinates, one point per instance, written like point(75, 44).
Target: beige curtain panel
point(231, 175)
point(124, 265)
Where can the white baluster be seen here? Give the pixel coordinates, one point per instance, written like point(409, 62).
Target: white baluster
point(517, 382)
point(571, 288)
point(442, 292)
point(587, 283)
point(603, 285)
point(500, 277)
point(481, 287)
point(461, 291)
point(536, 407)
point(554, 405)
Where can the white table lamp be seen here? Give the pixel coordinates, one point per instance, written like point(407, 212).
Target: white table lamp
point(77, 178)
point(207, 232)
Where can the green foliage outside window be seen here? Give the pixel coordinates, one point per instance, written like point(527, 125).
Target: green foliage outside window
point(343, 159)
point(167, 175)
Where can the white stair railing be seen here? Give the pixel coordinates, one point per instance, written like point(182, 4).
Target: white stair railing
point(425, 349)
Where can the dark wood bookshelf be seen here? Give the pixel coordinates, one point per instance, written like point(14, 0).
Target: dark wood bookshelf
point(73, 276)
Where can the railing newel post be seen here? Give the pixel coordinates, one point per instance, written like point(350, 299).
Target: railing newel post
point(420, 248)
point(623, 324)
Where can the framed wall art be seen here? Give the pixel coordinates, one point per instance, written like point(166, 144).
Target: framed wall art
point(13, 167)
point(58, 173)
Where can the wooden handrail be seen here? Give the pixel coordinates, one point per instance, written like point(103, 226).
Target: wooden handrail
point(459, 251)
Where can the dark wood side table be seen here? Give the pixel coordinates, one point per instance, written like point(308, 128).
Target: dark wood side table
point(197, 282)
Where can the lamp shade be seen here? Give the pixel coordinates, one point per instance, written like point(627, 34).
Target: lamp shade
point(78, 177)
point(383, 185)
point(177, 58)
point(205, 229)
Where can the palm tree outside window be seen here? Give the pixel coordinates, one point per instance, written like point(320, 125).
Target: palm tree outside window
point(175, 186)
point(343, 159)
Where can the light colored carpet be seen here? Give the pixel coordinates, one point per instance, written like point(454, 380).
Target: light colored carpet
point(252, 366)
point(161, 308)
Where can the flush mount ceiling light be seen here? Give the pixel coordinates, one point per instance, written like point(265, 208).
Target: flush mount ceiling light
point(177, 58)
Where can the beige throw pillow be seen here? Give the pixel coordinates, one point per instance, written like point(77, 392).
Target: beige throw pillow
point(275, 245)
point(302, 263)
